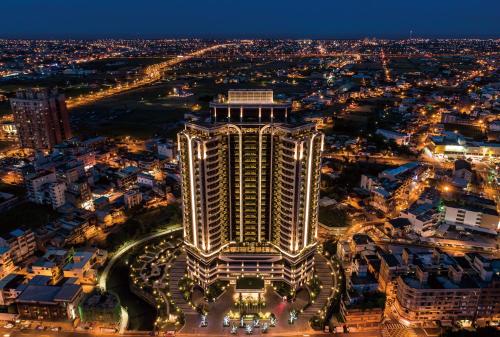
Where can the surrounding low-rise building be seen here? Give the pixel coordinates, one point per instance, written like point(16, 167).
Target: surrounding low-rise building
point(460, 288)
point(49, 302)
point(166, 149)
point(127, 176)
point(7, 266)
point(398, 137)
point(132, 198)
point(21, 244)
point(392, 190)
point(36, 183)
point(473, 216)
point(362, 310)
point(100, 307)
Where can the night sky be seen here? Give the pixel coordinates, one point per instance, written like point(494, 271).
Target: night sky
point(248, 18)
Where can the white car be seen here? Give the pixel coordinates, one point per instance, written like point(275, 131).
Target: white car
point(8, 326)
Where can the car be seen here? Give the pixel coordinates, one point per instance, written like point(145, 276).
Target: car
point(56, 328)
point(8, 326)
point(40, 327)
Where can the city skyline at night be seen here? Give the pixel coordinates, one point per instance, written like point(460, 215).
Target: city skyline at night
point(235, 168)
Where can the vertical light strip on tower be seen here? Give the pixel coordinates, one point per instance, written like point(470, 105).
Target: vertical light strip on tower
point(259, 182)
point(308, 189)
point(240, 151)
point(191, 183)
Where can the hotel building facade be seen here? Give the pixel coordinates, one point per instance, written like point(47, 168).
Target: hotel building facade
point(250, 191)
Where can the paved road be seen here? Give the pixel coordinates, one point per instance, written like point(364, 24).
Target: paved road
point(152, 74)
point(32, 333)
point(387, 160)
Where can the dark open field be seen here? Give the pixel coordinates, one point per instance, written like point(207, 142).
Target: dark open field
point(150, 111)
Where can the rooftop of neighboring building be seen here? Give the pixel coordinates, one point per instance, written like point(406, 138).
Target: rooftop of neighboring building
point(39, 174)
point(368, 278)
point(17, 233)
point(436, 281)
point(371, 300)
point(395, 172)
point(127, 171)
point(36, 93)
point(462, 164)
point(400, 223)
point(79, 260)
point(391, 260)
point(11, 281)
point(391, 133)
point(469, 207)
point(476, 199)
point(49, 294)
point(40, 280)
point(361, 239)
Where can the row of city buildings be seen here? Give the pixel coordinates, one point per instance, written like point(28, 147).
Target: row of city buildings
point(91, 185)
point(419, 286)
point(46, 287)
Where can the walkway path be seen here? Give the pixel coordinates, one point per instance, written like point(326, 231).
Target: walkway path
point(328, 281)
point(176, 274)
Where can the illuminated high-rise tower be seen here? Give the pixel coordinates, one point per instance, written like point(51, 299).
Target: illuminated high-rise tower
point(250, 186)
point(41, 118)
